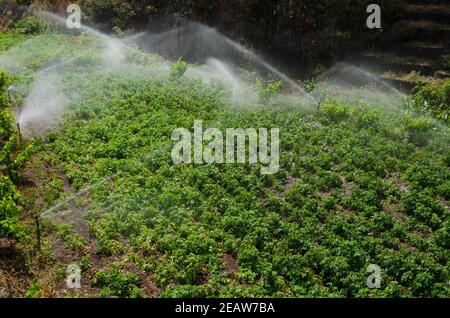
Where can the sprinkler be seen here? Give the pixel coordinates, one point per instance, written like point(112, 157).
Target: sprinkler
point(38, 233)
point(10, 91)
point(319, 103)
point(20, 133)
point(9, 95)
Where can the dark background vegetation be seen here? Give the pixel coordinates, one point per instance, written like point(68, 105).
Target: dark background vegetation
point(309, 32)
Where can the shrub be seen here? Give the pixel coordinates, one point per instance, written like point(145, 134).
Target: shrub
point(114, 283)
point(178, 69)
point(33, 25)
point(366, 117)
point(417, 129)
point(335, 111)
point(52, 190)
point(310, 85)
point(185, 291)
point(72, 240)
point(443, 63)
point(433, 99)
point(111, 13)
point(34, 291)
point(9, 197)
point(442, 236)
point(3, 80)
point(267, 91)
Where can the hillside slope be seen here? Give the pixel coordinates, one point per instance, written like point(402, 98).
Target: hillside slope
point(356, 186)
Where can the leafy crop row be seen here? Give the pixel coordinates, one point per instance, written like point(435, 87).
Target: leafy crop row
point(10, 164)
point(356, 186)
point(351, 192)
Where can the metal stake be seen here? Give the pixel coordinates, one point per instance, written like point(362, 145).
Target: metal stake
point(38, 233)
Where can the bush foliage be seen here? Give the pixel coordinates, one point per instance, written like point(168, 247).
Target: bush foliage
point(433, 99)
point(9, 165)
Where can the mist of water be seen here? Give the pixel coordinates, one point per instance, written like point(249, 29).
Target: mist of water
point(217, 58)
point(242, 94)
point(62, 21)
point(200, 44)
point(44, 103)
point(113, 46)
point(45, 100)
point(351, 84)
point(222, 55)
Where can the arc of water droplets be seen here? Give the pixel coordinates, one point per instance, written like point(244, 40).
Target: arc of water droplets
point(107, 39)
point(122, 43)
point(270, 68)
point(53, 210)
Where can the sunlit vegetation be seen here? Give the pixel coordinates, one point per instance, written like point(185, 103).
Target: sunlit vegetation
point(357, 186)
point(10, 163)
point(434, 99)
